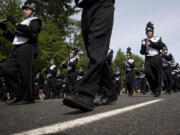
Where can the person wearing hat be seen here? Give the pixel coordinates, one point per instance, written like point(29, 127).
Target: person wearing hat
point(129, 66)
point(117, 80)
point(18, 67)
point(97, 22)
point(151, 47)
point(50, 73)
point(167, 78)
point(70, 64)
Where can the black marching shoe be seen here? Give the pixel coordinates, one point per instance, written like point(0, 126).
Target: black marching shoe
point(81, 102)
point(106, 101)
point(13, 101)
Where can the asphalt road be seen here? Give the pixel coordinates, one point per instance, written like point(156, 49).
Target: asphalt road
point(161, 118)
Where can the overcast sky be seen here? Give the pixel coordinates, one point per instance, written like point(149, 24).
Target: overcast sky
point(131, 17)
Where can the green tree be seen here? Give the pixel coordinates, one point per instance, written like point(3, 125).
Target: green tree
point(58, 12)
point(9, 7)
point(76, 41)
point(50, 43)
point(138, 60)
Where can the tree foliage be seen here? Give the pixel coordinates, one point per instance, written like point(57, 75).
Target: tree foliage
point(50, 43)
point(58, 12)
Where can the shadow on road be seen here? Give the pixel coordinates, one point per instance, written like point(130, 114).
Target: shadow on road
point(74, 112)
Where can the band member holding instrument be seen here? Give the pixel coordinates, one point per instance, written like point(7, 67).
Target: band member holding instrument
point(129, 66)
point(18, 67)
point(70, 64)
point(151, 47)
point(50, 72)
point(117, 80)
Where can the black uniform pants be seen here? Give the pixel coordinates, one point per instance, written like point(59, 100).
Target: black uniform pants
point(143, 83)
point(71, 82)
point(153, 71)
point(18, 71)
point(130, 82)
point(97, 22)
point(167, 79)
point(51, 87)
point(59, 85)
point(118, 86)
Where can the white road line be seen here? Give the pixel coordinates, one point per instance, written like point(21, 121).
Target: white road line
point(82, 121)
